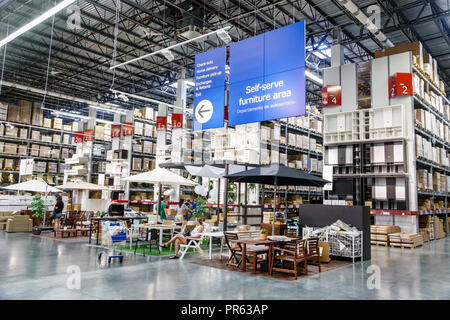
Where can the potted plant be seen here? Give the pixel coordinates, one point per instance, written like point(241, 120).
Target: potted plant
point(201, 209)
point(264, 234)
point(38, 208)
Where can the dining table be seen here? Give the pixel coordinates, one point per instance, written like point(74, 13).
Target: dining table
point(160, 228)
point(259, 242)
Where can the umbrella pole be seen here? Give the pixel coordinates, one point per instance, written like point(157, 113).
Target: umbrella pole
point(274, 205)
point(218, 199)
point(159, 200)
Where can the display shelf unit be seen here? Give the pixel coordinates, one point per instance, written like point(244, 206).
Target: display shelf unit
point(376, 125)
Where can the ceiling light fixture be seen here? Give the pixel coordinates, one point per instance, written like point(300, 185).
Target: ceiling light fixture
point(224, 36)
point(36, 21)
point(171, 47)
point(113, 110)
point(167, 54)
point(124, 97)
point(68, 114)
point(313, 77)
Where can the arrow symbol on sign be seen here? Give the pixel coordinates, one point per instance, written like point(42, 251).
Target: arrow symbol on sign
point(201, 111)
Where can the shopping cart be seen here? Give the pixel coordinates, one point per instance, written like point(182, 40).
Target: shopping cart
point(114, 234)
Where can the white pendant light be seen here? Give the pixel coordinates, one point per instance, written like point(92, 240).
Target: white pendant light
point(36, 21)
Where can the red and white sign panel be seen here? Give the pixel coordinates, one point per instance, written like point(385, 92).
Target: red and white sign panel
point(400, 84)
point(177, 120)
point(78, 136)
point(88, 135)
point(331, 96)
point(161, 123)
point(115, 130)
point(127, 129)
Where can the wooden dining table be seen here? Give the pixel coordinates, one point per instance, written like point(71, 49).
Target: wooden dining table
point(256, 242)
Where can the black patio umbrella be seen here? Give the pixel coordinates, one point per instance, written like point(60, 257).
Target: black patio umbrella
point(277, 175)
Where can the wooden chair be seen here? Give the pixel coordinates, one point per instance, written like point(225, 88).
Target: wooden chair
point(194, 242)
point(313, 251)
point(235, 249)
point(293, 253)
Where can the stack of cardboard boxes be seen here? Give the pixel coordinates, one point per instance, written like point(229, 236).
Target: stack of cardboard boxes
point(379, 234)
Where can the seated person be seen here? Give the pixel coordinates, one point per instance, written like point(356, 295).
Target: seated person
point(182, 239)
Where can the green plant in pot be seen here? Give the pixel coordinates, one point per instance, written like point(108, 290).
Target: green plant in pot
point(202, 208)
point(264, 234)
point(38, 208)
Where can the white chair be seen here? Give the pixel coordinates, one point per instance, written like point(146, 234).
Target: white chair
point(194, 243)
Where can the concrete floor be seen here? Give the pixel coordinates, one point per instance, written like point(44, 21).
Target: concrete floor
point(36, 268)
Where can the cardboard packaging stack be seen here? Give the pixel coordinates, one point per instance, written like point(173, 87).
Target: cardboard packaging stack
point(379, 234)
point(405, 240)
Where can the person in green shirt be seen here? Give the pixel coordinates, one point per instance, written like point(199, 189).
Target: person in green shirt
point(163, 211)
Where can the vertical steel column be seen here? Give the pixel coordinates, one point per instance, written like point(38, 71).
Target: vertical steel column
point(225, 204)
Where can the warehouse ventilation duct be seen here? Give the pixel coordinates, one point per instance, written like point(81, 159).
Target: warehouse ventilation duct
point(367, 22)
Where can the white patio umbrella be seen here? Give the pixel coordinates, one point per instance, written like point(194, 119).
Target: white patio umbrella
point(33, 186)
point(81, 185)
point(160, 176)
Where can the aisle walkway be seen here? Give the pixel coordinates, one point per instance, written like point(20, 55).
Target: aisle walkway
point(36, 268)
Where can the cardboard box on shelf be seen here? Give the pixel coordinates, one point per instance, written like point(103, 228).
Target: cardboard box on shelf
point(11, 131)
point(99, 132)
point(35, 135)
point(10, 148)
point(47, 138)
point(3, 111)
point(26, 109)
point(9, 164)
point(37, 115)
point(14, 113)
point(57, 123)
point(23, 133)
point(56, 138)
point(415, 47)
point(22, 150)
point(137, 164)
point(47, 123)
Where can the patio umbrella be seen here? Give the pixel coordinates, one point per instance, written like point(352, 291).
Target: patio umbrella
point(277, 174)
point(81, 185)
point(33, 186)
point(160, 176)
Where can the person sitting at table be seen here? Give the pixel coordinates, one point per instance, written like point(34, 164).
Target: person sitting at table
point(183, 238)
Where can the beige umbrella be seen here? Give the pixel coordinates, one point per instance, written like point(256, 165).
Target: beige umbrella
point(81, 185)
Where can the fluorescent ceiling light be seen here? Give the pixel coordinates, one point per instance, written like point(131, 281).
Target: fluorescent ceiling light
point(171, 47)
point(104, 121)
point(319, 55)
point(36, 21)
point(68, 114)
point(313, 77)
point(188, 83)
point(107, 109)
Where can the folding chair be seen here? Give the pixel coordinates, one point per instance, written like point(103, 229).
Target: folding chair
point(194, 242)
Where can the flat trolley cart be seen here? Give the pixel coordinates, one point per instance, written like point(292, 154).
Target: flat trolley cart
point(114, 234)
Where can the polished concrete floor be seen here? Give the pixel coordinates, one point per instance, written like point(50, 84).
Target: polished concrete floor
point(36, 268)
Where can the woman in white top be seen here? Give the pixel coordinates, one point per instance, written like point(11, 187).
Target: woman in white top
point(182, 239)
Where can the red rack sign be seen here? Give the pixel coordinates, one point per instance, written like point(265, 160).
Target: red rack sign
point(88, 135)
point(177, 120)
point(161, 123)
point(78, 136)
point(331, 96)
point(400, 84)
point(127, 129)
point(115, 131)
